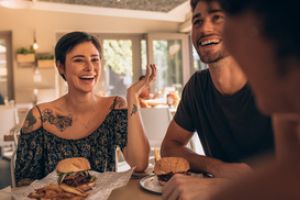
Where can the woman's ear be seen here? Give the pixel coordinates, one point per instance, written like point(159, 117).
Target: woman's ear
point(60, 67)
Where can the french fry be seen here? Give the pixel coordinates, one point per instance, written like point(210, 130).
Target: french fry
point(57, 192)
point(69, 189)
point(156, 154)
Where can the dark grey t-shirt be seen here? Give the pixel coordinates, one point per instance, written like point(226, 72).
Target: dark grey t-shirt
point(229, 126)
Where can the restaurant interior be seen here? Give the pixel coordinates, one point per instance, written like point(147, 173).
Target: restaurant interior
point(132, 33)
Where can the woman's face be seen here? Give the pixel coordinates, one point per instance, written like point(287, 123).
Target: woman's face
point(256, 56)
point(82, 67)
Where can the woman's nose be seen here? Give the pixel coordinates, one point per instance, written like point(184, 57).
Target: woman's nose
point(89, 65)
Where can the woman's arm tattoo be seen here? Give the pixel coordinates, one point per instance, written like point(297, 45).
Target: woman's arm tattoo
point(134, 109)
point(29, 122)
point(118, 103)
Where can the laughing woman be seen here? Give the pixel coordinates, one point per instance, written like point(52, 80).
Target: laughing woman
point(81, 123)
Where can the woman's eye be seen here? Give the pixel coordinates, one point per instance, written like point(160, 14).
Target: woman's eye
point(78, 60)
point(95, 60)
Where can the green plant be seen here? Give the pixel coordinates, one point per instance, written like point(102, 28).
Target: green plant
point(24, 50)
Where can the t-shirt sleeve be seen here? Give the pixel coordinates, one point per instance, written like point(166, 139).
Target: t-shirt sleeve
point(29, 157)
point(183, 116)
point(121, 127)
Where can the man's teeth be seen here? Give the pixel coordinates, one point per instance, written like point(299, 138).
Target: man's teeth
point(87, 77)
point(208, 42)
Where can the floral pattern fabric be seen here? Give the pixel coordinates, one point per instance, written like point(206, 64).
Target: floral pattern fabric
point(39, 151)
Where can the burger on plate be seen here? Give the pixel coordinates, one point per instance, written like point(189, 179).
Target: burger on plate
point(74, 172)
point(166, 167)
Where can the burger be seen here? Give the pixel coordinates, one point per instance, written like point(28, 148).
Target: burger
point(74, 172)
point(166, 167)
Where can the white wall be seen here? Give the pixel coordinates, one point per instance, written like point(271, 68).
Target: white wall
point(23, 23)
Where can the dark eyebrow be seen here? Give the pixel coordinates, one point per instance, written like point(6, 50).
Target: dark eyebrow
point(78, 56)
point(81, 56)
point(196, 16)
point(215, 10)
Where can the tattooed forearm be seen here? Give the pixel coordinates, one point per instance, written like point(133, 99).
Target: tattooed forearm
point(60, 121)
point(29, 122)
point(134, 109)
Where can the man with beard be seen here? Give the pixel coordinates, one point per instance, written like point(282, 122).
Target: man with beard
point(219, 105)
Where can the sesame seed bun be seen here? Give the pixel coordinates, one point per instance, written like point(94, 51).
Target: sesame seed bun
point(70, 165)
point(172, 165)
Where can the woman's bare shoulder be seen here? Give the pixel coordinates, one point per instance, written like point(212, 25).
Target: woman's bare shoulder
point(117, 102)
point(34, 119)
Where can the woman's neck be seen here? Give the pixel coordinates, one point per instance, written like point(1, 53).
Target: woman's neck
point(80, 103)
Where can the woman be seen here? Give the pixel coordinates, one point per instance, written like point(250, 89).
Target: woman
point(81, 123)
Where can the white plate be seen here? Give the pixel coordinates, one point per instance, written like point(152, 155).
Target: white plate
point(150, 183)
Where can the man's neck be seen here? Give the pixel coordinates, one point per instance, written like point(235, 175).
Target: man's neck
point(227, 76)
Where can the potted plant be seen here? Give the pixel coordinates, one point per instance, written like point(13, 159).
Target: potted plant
point(45, 60)
point(25, 55)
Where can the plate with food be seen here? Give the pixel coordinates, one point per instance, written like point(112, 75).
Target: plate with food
point(164, 169)
point(73, 179)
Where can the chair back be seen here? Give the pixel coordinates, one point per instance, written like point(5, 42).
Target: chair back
point(8, 119)
point(12, 169)
point(156, 122)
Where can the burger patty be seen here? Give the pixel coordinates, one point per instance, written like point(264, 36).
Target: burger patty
point(168, 176)
point(77, 180)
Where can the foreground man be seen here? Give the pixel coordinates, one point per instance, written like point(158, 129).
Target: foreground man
point(271, 60)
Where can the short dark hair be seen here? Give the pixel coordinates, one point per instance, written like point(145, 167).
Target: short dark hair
point(194, 3)
point(67, 42)
point(280, 23)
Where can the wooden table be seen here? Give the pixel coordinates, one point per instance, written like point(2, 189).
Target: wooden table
point(133, 191)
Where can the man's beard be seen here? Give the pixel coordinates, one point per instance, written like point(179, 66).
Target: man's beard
point(209, 58)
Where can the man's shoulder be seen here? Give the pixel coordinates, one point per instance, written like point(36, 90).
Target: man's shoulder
point(199, 79)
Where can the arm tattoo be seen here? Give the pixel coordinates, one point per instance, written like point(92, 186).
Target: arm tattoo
point(60, 121)
point(117, 103)
point(134, 109)
point(29, 122)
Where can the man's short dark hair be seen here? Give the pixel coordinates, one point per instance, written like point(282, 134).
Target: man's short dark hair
point(194, 3)
point(67, 42)
point(280, 22)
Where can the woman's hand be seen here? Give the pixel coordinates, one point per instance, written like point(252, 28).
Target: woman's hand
point(138, 86)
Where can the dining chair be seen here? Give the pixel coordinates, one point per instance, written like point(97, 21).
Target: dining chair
point(8, 122)
point(12, 169)
point(156, 122)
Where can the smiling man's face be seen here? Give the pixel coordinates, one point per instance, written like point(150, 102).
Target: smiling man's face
point(208, 23)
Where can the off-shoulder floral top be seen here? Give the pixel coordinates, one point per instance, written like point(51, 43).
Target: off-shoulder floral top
point(39, 151)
